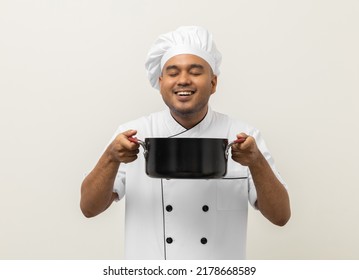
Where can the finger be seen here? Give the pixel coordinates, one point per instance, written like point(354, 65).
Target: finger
point(244, 141)
point(240, 140)
point(133, 152)
point(130, 142)
point(133, 139)
point(128, 159)
point(127, 155)
point(241, 137)
point(249, 143)
point(130, 133)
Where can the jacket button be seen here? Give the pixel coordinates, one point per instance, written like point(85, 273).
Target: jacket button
point(205, 208)
point(203, 240)
point(169, 240)
point(169, 208)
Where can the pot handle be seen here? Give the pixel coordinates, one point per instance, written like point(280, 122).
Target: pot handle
point(239, 140)
point(140, 142)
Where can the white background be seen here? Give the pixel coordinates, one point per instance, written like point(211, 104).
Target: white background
point(72, 71)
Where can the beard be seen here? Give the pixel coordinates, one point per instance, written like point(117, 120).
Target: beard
point(193, 114)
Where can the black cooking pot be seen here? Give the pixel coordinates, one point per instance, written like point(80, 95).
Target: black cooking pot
point(192, 158)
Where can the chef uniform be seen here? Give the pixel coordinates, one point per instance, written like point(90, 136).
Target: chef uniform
point(186, 218)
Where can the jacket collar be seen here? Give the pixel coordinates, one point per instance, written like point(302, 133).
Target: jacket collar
point(176, 130)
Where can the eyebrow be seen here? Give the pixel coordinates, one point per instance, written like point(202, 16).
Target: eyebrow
point(191, 66)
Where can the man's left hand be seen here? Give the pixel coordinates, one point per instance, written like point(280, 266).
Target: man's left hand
point(245, 151)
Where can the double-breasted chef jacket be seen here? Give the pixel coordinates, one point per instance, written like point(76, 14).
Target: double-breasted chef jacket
point(187, 218)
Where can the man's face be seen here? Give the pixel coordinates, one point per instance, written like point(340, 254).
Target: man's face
point(186, 84)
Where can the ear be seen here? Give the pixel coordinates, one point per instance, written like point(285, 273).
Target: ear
point(160, 81)
point(214, 83)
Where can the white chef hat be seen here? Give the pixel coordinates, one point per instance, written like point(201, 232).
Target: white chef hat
point(194, 40)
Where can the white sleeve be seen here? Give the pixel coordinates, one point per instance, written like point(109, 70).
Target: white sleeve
point(252, 192)
point(119, 185)
point(263, 148)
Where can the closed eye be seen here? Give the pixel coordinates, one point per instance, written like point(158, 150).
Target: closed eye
point(172, 73)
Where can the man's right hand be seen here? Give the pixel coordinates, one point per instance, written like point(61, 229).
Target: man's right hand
point(122, 150)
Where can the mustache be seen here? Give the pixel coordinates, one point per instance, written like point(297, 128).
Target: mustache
point(177, 89)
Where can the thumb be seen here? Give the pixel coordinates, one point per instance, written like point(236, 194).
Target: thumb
point(130, 133)
point(241, 137)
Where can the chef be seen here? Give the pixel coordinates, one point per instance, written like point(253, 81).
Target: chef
point(186, 218)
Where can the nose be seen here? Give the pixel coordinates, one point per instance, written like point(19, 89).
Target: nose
point(184, 79)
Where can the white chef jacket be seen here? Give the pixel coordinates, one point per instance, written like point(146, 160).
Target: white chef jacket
point(187, 218)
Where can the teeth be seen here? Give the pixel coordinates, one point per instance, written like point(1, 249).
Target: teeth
point(184, 93)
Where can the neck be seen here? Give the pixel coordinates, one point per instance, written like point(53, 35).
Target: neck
point(189, 120)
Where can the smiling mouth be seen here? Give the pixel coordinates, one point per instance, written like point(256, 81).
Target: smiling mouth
point(184, 93)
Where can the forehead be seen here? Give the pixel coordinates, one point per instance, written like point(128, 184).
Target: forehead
point(186, 60)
